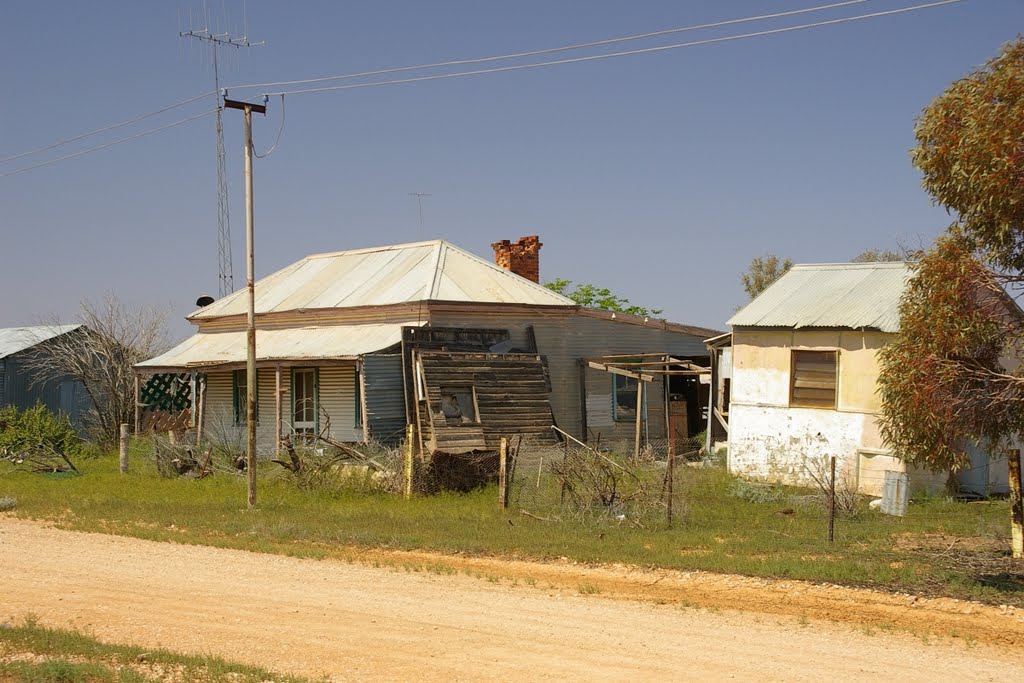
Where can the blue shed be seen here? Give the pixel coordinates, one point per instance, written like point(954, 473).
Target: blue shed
point(20, 382)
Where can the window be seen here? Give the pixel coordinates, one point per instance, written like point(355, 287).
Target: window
point(624, 391)
point(238, 394)
point(305, 401)
point(458, 405)
point(813, 380)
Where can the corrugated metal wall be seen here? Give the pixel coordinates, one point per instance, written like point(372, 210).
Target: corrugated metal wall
point(63, 396)
point(565, 339)
point(385, 397)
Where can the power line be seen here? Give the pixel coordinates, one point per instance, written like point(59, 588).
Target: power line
point(106, 128)
point(609, 55)
point(277, 139)
point(109, 144)
point(563, 48)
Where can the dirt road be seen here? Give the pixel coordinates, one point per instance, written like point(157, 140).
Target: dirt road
point(353, 621)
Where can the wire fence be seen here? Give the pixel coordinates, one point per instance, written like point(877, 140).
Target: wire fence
point(662, 483)
point(572, 490)
point(610, 481)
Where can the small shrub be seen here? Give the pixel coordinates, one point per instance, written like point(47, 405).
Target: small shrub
point(756, 492)
point(24, 430)
point(718, 458)
point(37, 440)
point(7, 503)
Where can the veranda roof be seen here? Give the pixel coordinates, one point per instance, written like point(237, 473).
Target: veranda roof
point(330, 342)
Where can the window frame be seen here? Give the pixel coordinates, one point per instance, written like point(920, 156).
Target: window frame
point(316, 396)
point(615, 399)
point(797, 403)
point(238, 400)
point(471, 389)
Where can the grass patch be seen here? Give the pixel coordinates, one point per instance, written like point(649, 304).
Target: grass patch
point(30, 653)
point(940, 547)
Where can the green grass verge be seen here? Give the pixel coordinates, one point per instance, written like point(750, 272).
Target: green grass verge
point(30, 653)
point(940, 547)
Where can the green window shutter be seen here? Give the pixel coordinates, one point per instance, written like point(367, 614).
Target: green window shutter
point(359, 399)
point(237, 386)
point(238, 396)
point(316, 398)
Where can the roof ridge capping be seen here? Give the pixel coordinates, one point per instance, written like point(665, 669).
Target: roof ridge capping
point(852, 265)
point(383, 247)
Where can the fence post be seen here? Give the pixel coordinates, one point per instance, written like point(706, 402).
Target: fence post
point(502, 474)
point(1016, 505)
point(832, 499)
point(669, 472)
point(410, 433)
point(123, 448)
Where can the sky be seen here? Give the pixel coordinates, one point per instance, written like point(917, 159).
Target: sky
point(657, 175)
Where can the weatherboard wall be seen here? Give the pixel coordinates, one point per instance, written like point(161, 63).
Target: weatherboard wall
point(337, 400)
point(566, 337)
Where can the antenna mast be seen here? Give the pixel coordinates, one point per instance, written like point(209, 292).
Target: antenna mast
point(419, 203)
point(225, 275)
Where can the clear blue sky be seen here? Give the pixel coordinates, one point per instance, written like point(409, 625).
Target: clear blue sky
point(658, 175)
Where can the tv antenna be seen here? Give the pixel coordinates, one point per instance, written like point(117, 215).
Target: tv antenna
point(419, 205)
point(216, 41)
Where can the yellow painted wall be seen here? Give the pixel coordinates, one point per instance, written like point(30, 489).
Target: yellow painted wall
point(762, 359)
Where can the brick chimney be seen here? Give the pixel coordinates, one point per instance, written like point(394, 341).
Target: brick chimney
point(522, 258)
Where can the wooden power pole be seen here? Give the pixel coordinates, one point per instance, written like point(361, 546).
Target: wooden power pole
point(250, 285)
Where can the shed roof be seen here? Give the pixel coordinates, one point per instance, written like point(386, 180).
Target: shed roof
point(846, 295)
point(421, 271)
point(16, 339)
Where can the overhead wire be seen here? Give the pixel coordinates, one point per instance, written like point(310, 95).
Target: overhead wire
point(108, 144)
point(105, 129)
point(276, 139)
point(610, 55)
point(551, 50)
point(514, 67)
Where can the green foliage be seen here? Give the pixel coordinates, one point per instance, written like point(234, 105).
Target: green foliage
point(878, 256)
point(592, 296)
point(762, 272)
point(36, 428)
point(756, 492)
point(969, 152)
point(942, 383)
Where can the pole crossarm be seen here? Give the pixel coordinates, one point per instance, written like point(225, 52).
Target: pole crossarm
point(238, 104)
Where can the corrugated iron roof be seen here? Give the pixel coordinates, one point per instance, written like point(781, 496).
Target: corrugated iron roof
point(848, 295)
point(16, 339)
point(402, 273)
point(332, 342)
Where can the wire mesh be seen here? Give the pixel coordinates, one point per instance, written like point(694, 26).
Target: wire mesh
point(605, 481)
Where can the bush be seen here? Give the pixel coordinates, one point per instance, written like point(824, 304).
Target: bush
point(37, 429)
point(755, 492)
